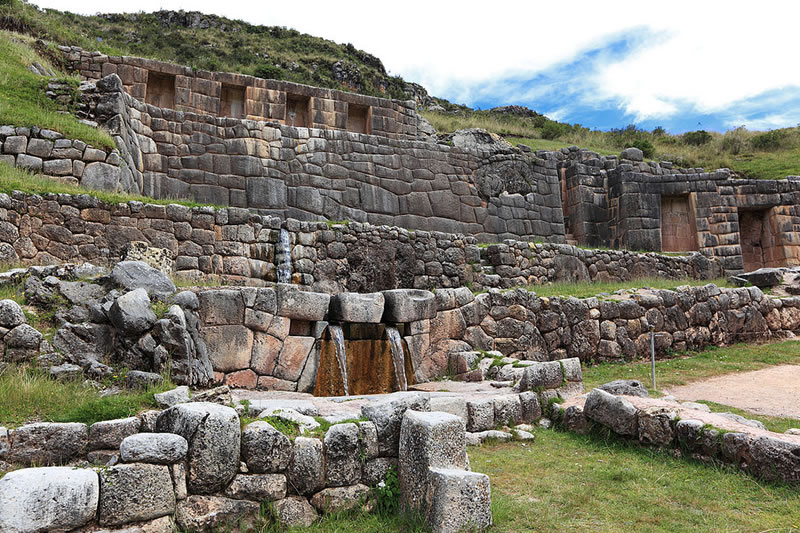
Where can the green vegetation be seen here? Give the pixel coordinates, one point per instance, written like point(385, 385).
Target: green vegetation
point(777, 424)
point(32, 395)
point(586, 289)
point(22, 93)
point(209, 42)
point(693, 366)
point(17, 179)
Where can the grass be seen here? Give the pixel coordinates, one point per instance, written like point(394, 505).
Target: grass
point(32, 395)
point(693, 366)
point(17, 179)
point(778, 424)
point(586, 289)
point(553, 145)
point(22, 97)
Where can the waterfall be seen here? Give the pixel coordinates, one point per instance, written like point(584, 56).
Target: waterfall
point(338, 341)
point(398, 357)
point(283, 258)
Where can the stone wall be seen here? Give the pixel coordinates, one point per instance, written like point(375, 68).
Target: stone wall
point(204, 92)
point(232, 245)
point(48, 152)
point(195, 463)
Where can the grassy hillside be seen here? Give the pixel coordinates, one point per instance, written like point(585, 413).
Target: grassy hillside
point(212, 43)
point(769, 155)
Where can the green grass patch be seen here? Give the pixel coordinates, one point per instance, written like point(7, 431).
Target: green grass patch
point(586, 289)
point(569, 482)
point(30, 394)
point(778, 424)
point(693, 366)
point(23, 101)
point(553, 145)
point(17, 179)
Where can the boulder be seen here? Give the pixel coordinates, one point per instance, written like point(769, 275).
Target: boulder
point(134, 492)
point(656, 425)
point(387, 415)
point(355, 307)
point(132, 275)
point(634, 154)
point(368, 439)
point(611, 411)
point(172, 397)
point(265, 450)
point(47, 443)
point(507, 409)
point(109, 434)
point(301, 305)
point(574, 420)
point(547, 375)
point(156, 448)
point(375, 471)
point(626, 387)
point(47, 499)
point(294, 511)
point(481, 415)
point(764, 277)
point(338, 499)
point(220, 395)
point(427, 440)
point(343, 460)
point(23, 337)
point(214, 436)
point(306, 472)
point(531, 407)
point(775, 460)
point(131, 313)
point(206, 514)
point(455, 405)
point(137, 379)
point(408, 305)
point(11, 314)
point(65, 371)
point(257, 487)
point(457, 500)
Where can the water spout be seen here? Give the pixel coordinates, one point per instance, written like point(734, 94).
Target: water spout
point(341, 357)
point(283, 258)
point(398, 358)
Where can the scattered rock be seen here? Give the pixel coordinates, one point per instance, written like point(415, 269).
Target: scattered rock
point(294, 511)
point(626, 387)
point(11, 314)
point(742, 420)
point(137, 379)
point(220, 395)
point(131, 313)
point(612, 411)
point(696, 406)
point(172, 397)
point(133, 275)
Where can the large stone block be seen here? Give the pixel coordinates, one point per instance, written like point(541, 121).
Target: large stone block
point(612, 411)
point(306, 473)
point(387, 415)
point(301, 305)
point(507, 409)
point(135, 492)
point(342, 455)
point(47, 443)
point(206, 514)
point(265, 449)
point(48, 499)
point(339, 499)
point(214, 438)
point(775, 459)
point(547, 375)
point(229, 347)
point(457, 500)
point(481, 415)
point(428, 440)
point(257, 487)
point(293, 356)
point(355, 307)
point(133, 275)
point(294, 511)
point(655, 425)
point(157, 448)
point(131, 313)
point(408, 305)
point(221, 307)
point(109, 434)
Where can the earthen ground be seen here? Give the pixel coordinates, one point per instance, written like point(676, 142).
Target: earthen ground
point(773, 391)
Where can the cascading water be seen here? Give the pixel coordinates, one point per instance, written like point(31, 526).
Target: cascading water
point(283, 258)
point(398, 357)
point(341, 357)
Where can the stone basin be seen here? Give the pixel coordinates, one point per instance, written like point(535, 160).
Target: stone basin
point(408, 305)
point(301, 305)
point(355, 307)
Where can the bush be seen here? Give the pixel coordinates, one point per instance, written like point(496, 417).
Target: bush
point(735, 140)
point(552, 130)
point(647, 148)
point(697, 138)
point(659, 131)
point(269, 72)
point(770, 140)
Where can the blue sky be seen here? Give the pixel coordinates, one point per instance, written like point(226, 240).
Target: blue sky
point(683, 64)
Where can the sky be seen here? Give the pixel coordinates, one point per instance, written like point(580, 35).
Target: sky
point(683, 65)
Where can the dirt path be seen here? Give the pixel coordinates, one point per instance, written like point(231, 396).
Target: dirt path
point(773, 391)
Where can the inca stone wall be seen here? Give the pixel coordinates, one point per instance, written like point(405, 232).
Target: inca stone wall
point(235, 246)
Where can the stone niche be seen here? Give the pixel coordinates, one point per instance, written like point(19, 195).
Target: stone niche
point(232, 101)
point(678, 226)
point(298, 110)
point(160, 90)
point(759, 234)
point(359, 118)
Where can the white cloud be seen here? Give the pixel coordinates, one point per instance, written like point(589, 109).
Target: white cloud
point(705, 56)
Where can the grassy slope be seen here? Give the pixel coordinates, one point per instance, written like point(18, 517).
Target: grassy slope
point(22, 97)
point(588, 289)
point(216, 43)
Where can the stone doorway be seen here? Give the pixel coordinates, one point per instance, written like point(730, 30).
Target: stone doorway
point(160, 90)
point(678, 227)
point(758, 236)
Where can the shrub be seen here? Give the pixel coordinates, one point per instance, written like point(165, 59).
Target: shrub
point(770, 140)
point(697, 138)
point(647, 148)
point(388, 493)
point(735, 140)
point(269, 72)
point(659, 131)
point(552, 130)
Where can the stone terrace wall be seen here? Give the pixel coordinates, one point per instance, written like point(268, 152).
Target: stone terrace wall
point(235, 246)
point(200, 91)
point(316, 174)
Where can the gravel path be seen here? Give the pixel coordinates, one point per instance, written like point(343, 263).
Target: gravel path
point(773, 391)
